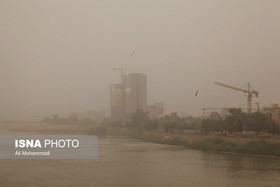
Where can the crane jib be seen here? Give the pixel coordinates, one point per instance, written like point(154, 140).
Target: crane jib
point(249, 91)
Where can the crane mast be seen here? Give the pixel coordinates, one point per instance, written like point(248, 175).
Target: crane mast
point(250, 94)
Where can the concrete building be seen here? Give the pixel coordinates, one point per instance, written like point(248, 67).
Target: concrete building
point(273, 112)
point(156, 110)
point(128, 97)
point(117, 104)
point(135, 96)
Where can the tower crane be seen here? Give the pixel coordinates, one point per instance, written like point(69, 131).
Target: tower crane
point(250, 94)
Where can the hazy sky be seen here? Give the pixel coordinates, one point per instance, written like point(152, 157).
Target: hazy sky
point(58, 54)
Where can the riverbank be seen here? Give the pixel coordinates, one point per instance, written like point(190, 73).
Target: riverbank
point(260, 147)
point(269, 146)
point(21, 128)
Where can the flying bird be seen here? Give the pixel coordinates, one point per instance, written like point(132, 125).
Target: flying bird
point(196, 93)
point(132, 53)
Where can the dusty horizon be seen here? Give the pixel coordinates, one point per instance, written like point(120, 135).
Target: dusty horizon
point(58, 56)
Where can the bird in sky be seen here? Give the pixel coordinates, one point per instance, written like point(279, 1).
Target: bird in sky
point(196, 93)
point(132, 53)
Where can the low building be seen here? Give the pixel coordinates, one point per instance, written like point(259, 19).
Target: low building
point(156, 110)
point(273, 112)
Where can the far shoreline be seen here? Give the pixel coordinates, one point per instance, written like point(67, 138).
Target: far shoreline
point(260, 146)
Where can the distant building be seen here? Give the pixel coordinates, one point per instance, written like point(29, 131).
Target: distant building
point(210, 111)
point(273, 112)
point(156, 110)
point(135, 95)
point(174, 116)
point(96, 115)
point(117, 104)
point(128, 97)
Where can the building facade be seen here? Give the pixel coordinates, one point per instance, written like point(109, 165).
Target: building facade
point(273, 112)
point(128, 97)
point(135, 93)
point(156, 110)
point(117, 104)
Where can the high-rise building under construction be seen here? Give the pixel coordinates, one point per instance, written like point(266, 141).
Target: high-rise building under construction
point(135, 93)
point(117, 106)
point(128, 97)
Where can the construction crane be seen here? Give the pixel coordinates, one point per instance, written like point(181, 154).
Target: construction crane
point(250, 94)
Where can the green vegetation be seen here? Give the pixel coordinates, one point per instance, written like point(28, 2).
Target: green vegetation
point(72, 119)
point(216, 144)
point(168, 141)
point(239, 121)
point(141, 121)
point(234, 123)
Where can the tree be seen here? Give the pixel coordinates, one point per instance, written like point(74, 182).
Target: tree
point(140, 120)
point(259, 122)
point(73, 118)
point(208, 125)
point(235, 121)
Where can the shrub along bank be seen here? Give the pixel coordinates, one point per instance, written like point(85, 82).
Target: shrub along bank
point(234, 124)
point(260, 147)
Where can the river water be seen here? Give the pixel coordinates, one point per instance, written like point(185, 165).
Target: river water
point(124, 161)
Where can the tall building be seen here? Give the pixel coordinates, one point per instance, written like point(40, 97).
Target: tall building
point(117, 104)
point(135, 93)
point(128, 97)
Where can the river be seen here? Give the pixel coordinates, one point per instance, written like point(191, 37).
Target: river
point(124, 161)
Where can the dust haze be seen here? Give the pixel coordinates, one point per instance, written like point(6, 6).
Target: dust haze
point(58, 56)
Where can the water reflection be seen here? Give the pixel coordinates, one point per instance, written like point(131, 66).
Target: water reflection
point(165, 163)
point(246, 169)
point(128, 162)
